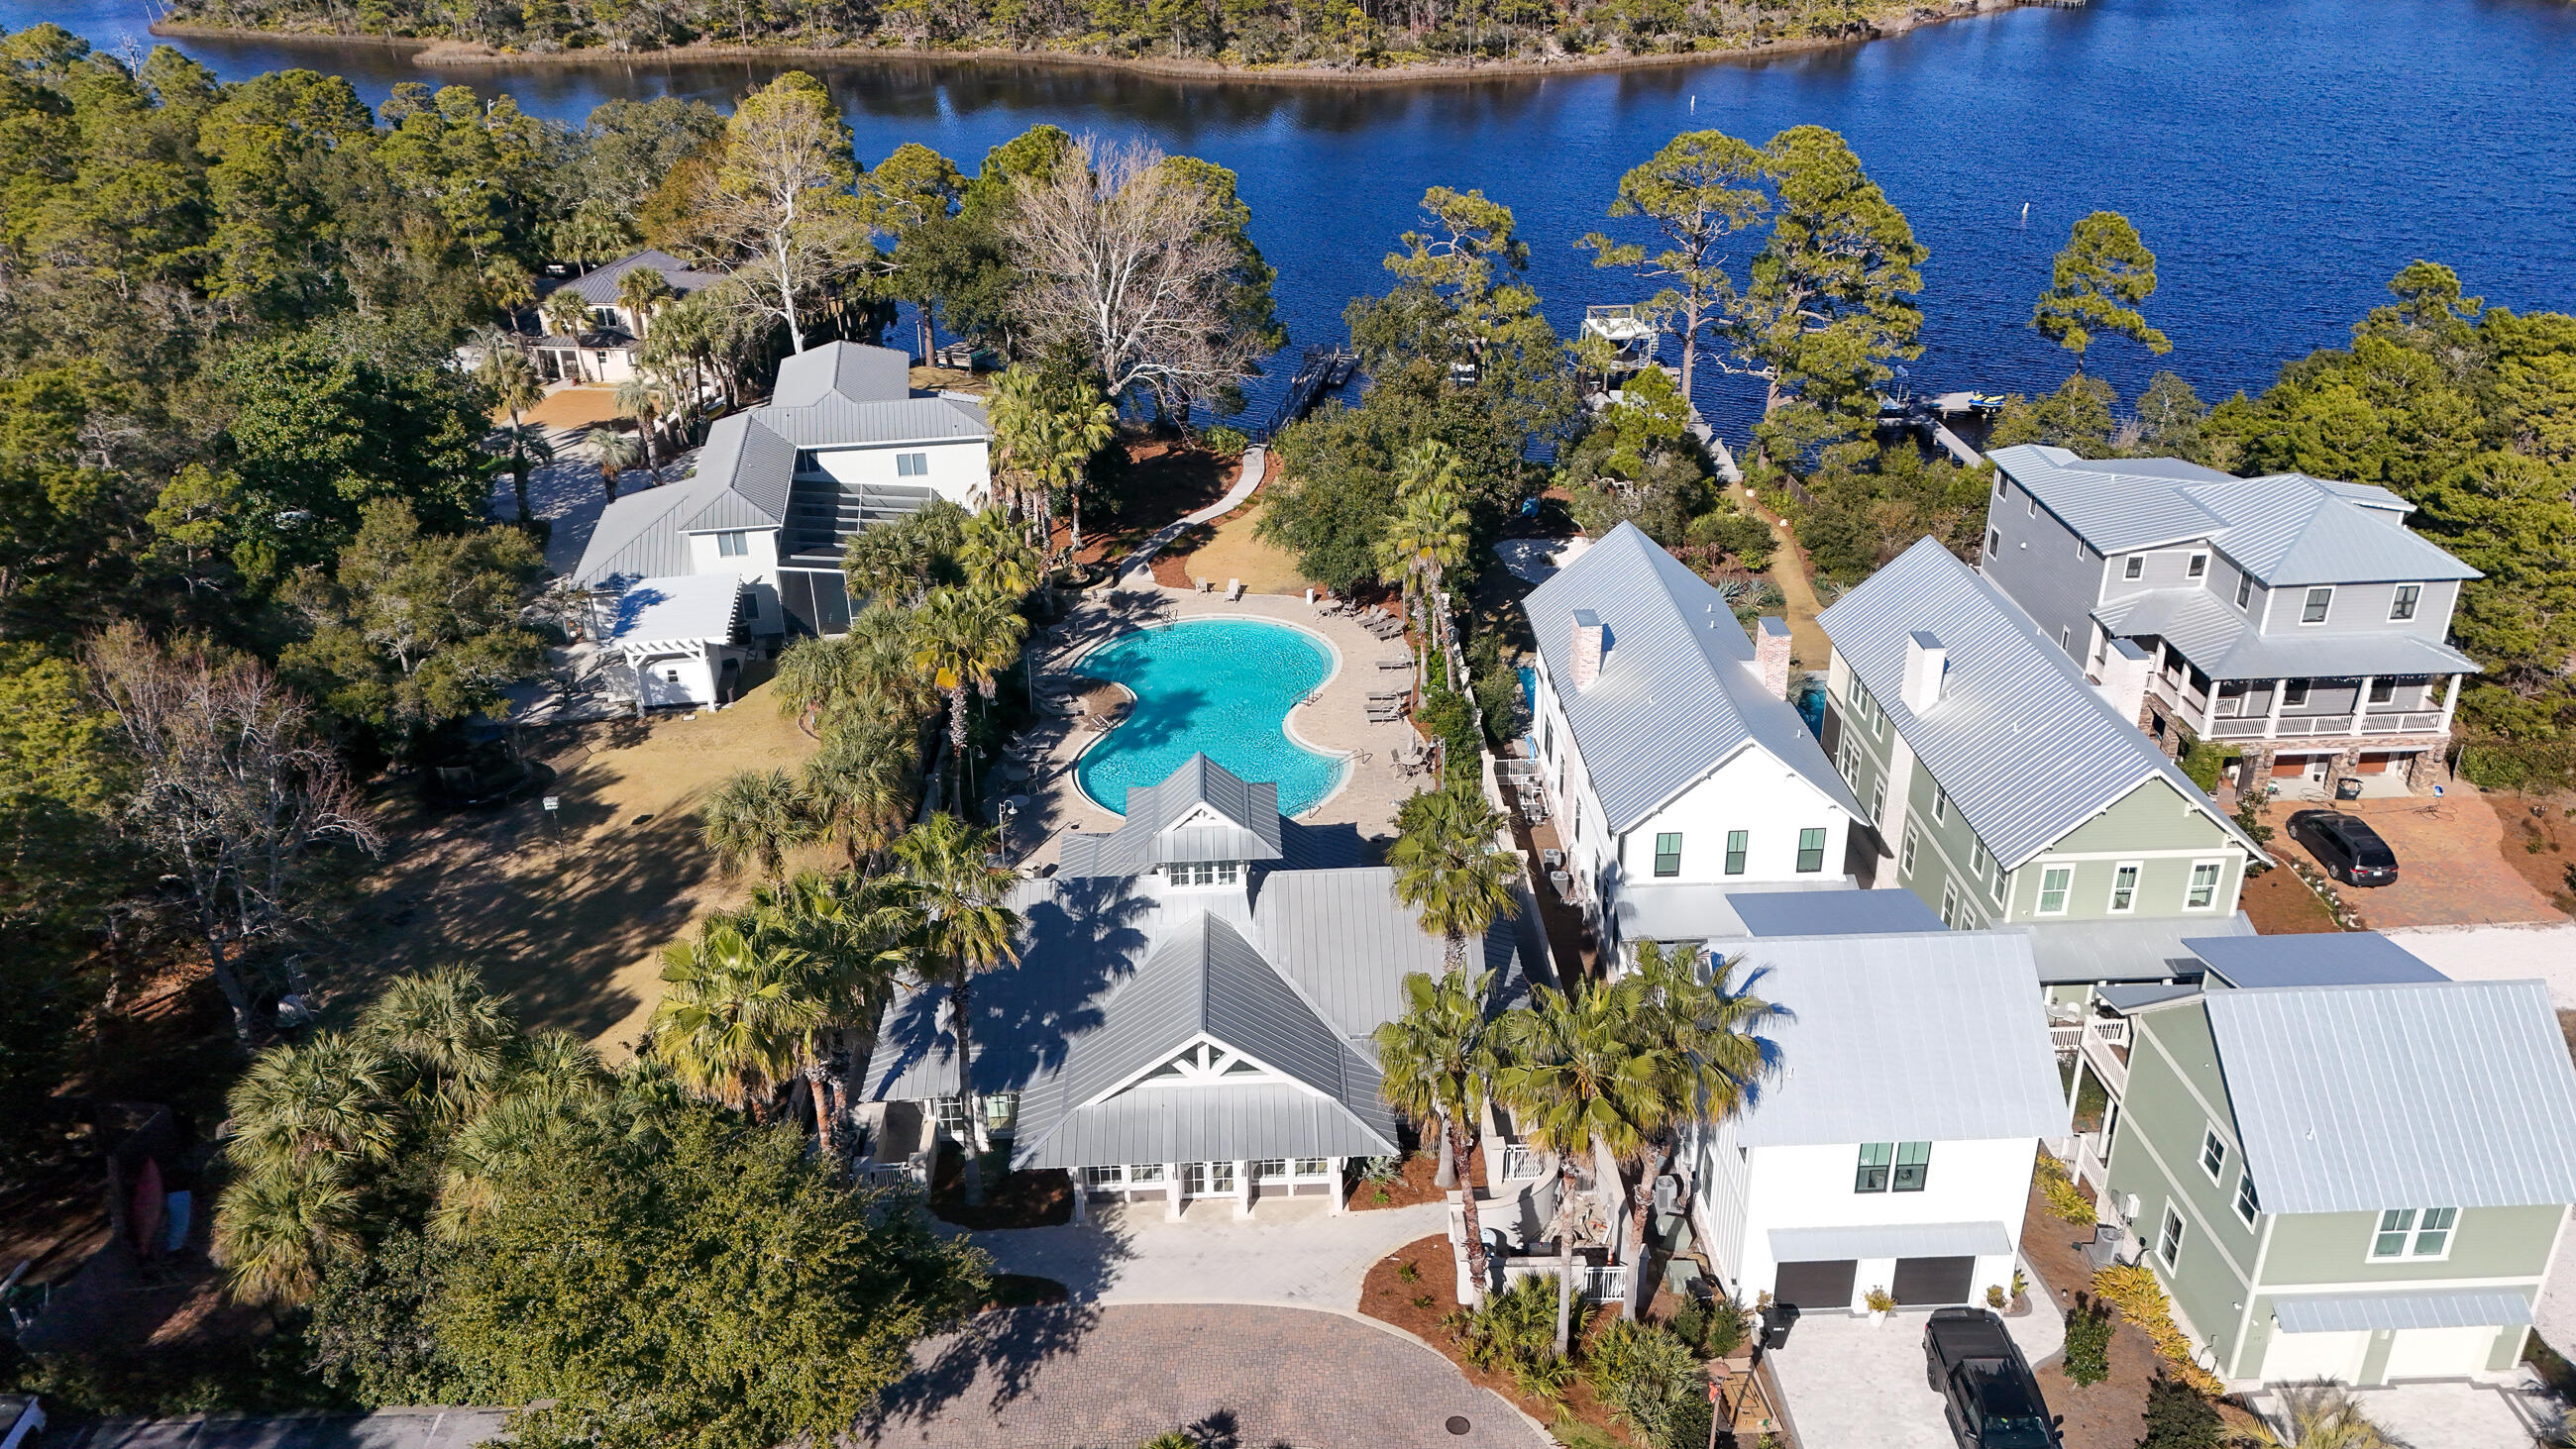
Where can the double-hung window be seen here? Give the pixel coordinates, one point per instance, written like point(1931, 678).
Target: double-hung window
point(2383, 691)
point(2315, 607)
point(2055, 884)
point(1906, 862)
point(2137, 566)
point(2414, 1233)
point(2401, 607)
point(1940, 804)
point(2124, 887)
point(2204, 885)
point(912, 465)
point(1668, 853)
point(1950, 913)
point(2244, 589)
point(2213, 1152)
point(2246, 1206)
point(1736, 841)
point(1878, 804)
point(1874, 1160)
point(2169, 1241)
point(733, 545)
point(1913, 1166)
point(2294, 695)
point(1811, 849)
point(2199, 567)
point(1994, 541)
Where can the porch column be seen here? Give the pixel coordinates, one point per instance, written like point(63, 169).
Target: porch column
point(2450, 702)
point(1242, 1188)
point(1172, 1190)
point(1081, 1194)
point(2361, 701)
point(1340, 1197)
point(2272, 721)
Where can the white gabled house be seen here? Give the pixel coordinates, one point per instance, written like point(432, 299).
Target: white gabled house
point(1672, 759)
point(1893, 1144)
point(843, 443)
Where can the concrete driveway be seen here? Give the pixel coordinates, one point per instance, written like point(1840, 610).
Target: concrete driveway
point(1292, 1253)
point(1852, 1385)
point(2453, 1415)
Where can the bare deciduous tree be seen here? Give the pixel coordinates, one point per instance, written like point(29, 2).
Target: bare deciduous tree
point(1131, 259)
point(233, 789)
point(777, 211)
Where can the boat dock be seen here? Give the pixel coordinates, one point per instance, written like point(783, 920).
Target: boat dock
point(1320, 371)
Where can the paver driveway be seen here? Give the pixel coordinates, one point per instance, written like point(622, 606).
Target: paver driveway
point(1851, 1384)
point(1114, 1377)
point(1289, 1254)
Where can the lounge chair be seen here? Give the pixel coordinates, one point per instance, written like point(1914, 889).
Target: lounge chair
point(1234, 591)
point(1396, 661)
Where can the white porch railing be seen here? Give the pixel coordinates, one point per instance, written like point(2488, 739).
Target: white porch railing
point(1520, 1162)
point(1606, 1284)
point(2105, 1046)
point(2089, 1168)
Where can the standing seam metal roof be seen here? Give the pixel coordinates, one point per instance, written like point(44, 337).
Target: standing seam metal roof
point(2026, 746)
point(1677, 694)
point(1146, 837)
point(598, 286)
point(2358, 1098)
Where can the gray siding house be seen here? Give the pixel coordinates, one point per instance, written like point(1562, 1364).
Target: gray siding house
point(1191, 1013)
point(2340, 1164)
point(2294, 617)
point(2005, 788)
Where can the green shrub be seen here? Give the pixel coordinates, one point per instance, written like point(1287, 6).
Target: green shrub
point(2088, 1345)
point(2519, 764)
point(1225, 440)
point(1514, 1332)
point(2178, 1418)
point(1689, 1425)
point(1641, 1372)
point(1748, 539)
point(2064, 1198)
point(2204, 762)
point(1714, 1331)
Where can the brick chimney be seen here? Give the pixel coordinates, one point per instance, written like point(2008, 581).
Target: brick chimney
point(2121, 676)
point(1927, 667)
point(1584, 660)
point(1771, 654)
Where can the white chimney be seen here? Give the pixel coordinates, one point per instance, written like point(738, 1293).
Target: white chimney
point(2121, 676)
point(1584, 661)
point(1771, 654)
point(1927, 666)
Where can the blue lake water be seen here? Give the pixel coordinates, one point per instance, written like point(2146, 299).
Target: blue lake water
point(1218, 687)
point(2283, 158)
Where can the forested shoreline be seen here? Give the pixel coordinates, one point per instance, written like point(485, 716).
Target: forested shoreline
point(1320, 39)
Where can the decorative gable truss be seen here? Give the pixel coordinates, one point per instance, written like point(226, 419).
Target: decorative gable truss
point(1206, 1062)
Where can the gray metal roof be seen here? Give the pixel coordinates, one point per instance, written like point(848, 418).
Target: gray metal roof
point(2283, 528)
point(683, 609)
point(2124, 948)
point(639, 536)
point(1152, 835)
point(2026, 746)
point(1892, 1240)
point(1647, 911)
point(1934, 1037)
point(1833, 913)
point(598, 286)
point(1677, 694)
point(1348, 943)
point(2356, 1098)
point(841, 422)
point(851, 369)
point(2323, 958)
point(2226, 644)
point(1214, 1123)
point(2128, 998)
point(2360, 1312)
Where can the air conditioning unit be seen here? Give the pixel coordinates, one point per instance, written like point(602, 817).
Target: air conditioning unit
point(2127, 1203)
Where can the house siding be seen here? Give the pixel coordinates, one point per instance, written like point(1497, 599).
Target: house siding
point(1979, 1181)
point(2155, 1153)
point(2323, 1248)
point(2036, 563)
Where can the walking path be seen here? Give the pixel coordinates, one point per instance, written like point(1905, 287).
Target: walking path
point(1796, 578)
point(1255, 465)
point(1291, 1253)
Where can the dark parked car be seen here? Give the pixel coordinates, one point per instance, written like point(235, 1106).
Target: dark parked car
point(1986, 1389)
point(2346, 846)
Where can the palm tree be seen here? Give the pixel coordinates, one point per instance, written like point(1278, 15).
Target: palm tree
point(513, 379)
point(640, 291)
point(1428, 534)
point(755, 816)
point(2323, 1416)
point(614, 452)
point(996, 558)
point(323, 1101)
point(863, 784)
point(962, 639)
point(952, 899)
point(1576, 1079)
point(455, 1035)
point(531, 446)
point(733, 1013)
point(848, 937)
point(1704, 1032)
point(1048, 430)
point(1448, 868)
point(277, 1230)
point(566, 315)
point(887, 680)
point(1436, 1063)
point(815, 676)
point(645, 399)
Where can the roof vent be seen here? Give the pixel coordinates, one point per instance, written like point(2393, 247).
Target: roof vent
point(1583, 661)
point(1927, 671)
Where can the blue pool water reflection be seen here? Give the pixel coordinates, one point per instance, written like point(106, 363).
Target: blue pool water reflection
point(1219, 687)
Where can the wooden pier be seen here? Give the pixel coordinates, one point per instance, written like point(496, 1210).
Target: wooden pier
point(1320, 371)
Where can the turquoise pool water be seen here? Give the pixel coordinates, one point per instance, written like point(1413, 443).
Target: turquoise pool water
point(1222, 687)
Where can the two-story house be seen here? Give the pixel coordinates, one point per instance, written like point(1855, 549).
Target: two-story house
point(2340, 1164)
point(1892, 1146)
point(844, 442)
point(1673, 761)
point(2296, 618)
point(2006, 788)
point(610, 350)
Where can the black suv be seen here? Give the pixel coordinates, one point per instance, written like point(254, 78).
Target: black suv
point(2346, 846)
point(1986, 1389)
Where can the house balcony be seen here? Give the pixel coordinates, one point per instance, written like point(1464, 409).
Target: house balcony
point(2322, 726)
point(2102, 1042)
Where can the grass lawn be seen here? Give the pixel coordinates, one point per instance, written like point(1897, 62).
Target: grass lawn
point(569, 921)
point(1235, 551)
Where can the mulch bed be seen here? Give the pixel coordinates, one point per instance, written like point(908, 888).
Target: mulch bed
point(1152, 481)
point(2280, 904)
point(1414, 1185)
point(1388, 1296)
point(2542, 821)
point(1025, 1199)
point(1024, 1290)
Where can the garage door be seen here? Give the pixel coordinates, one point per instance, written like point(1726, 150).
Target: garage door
point(1933, 1282)
point(2301, 1357)
point(2439, 1353)
point(1816, 1287)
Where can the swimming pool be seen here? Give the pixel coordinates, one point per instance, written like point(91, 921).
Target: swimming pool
point(1222, 687)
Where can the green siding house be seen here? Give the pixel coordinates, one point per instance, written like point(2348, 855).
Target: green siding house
point(2006, 787)
point(2341, 1165)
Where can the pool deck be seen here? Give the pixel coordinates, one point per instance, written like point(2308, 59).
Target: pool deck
point(1334, 721)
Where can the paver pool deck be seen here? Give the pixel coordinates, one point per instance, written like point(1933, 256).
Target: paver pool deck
point(1334, 720)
